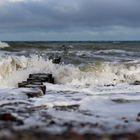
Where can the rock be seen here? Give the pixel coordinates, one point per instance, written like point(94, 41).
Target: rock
point(138, 117)
point(121, 100)
point(126, 121)
point(66, 108)
point(136, 83)
point(118, 126)
point(73, 135)
point(109, 85)
point(9, 117)
point(56, 60)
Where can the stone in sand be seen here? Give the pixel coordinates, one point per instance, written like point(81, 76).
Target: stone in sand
point(10, 117)
point(136, 83)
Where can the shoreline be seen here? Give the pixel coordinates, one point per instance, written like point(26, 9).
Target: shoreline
point(69, 135)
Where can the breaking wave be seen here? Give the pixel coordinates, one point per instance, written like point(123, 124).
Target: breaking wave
point(4, 45)
point(14, 69)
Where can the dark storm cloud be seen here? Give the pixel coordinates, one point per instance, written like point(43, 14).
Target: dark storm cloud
point(69, 15)
point(59, 14)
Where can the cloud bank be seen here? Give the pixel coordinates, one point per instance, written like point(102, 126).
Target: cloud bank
point(70, 19)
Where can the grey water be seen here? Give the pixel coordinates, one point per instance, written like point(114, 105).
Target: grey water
point(79, 52)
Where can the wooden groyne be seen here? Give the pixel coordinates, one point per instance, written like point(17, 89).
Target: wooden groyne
point(36, 80)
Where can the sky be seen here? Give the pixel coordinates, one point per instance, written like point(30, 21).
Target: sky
point(69, 20)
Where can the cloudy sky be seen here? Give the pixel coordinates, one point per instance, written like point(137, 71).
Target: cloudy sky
point(69, 19)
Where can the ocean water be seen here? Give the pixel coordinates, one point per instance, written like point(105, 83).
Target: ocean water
point(93, 85)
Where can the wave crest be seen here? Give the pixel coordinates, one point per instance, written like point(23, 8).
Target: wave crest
point(15, 69)
point(4, 45)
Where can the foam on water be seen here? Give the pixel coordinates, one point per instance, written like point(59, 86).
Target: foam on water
point(106, 105)
point(14, 69)
point(114, 51)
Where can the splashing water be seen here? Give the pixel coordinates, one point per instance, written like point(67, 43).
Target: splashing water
point(4, 45)
point(14, 69)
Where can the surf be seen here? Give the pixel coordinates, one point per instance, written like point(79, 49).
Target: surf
point(14, 69)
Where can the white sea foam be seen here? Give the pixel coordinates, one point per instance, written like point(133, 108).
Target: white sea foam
point(106, 105)
point(101, 52)
point(4, 44)
point(14, 69)
point(114, 51)
point(108, 55)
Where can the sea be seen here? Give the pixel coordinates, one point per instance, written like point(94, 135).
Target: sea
point(96, 90)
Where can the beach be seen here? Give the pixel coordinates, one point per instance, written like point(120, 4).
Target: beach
point(95, 94)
